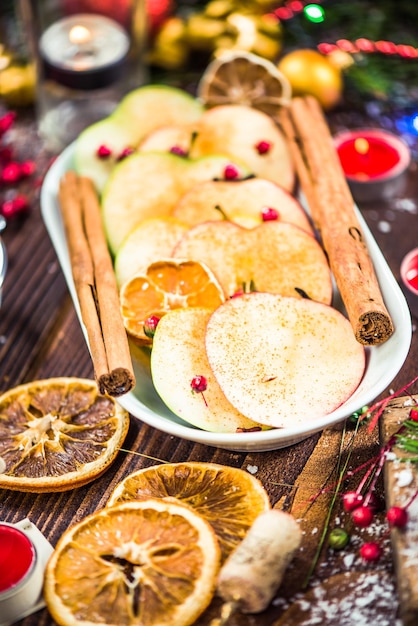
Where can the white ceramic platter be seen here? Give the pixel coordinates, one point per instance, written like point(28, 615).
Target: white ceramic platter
point(383, 361)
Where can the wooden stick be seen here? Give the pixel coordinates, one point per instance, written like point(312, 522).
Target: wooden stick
point(332, 208)
point(95, 285)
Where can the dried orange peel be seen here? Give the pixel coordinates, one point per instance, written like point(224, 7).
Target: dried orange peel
point(143, 563)
point(58, 434)
point(228, 498)
point(240, 77)
point(166, 285)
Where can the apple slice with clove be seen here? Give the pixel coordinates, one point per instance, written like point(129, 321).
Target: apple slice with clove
point(139, 112)
point(283, 361)
point(178, 357)
point(149, 184)
point(245, 201)
point(247, 134)
point(275, 256)
point(237, 130)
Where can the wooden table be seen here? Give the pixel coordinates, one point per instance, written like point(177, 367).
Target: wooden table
point(40, 337)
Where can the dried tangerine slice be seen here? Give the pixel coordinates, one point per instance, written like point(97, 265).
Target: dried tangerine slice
point(143, 563)
point(240, 77)
point(58, 434)
point(229, 498)
point(166, 285)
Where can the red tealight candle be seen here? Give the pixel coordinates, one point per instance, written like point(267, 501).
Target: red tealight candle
point(21, 573)
point(409, 271)
point(374, 162)
point(17, 557)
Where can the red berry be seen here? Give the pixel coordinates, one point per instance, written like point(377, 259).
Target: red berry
point(11, 173)
point(397, 517)
point(413, 414)
point(199, 384)
point(370, 552)
point(150, 325)
point(351, 500)
point(6, 121)
point(263, 147)
point(125, 153)
point(231, 171)
point(27, 168)
point(14, 207)
point(178, 150)
point(362, 516)
point(6, 154)
point(269, 214)
point(103, 152)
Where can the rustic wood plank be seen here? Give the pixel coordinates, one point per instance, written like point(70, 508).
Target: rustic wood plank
point(401, 483)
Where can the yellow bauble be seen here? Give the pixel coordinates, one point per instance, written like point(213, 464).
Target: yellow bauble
point(311, 73)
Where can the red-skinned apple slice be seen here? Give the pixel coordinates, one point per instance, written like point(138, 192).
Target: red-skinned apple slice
point(275, 256)
point(247, 134)
point(240, 199)
point(178, 356)
point(282, 361)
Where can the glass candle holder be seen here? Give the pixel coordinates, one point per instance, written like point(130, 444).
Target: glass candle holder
point(89, 54)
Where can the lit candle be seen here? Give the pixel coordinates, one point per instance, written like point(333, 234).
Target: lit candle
point(84, 51)
point(21, 574)
point(409, 271)
point(374, 162)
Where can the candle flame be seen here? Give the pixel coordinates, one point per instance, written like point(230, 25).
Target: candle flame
point(79, 35)
point(361, 145)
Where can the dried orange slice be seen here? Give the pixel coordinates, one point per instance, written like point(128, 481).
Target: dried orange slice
point(166, 285)
point(229, 498)
point(58, 434)
point(139, 563)
point(240, 77)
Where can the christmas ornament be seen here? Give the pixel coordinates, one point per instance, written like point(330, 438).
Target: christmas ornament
point(311, 73)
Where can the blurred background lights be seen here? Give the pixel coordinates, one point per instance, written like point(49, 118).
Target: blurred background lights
point(314, 13)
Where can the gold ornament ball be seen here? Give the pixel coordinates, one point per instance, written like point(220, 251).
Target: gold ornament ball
point(311, 73)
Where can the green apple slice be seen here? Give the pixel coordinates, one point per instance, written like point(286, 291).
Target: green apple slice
point(275, 256)
point(149, 184)
point(239, 200)
point(179, 355)
point(283, 361)
point(140, 112)
point(151, 240)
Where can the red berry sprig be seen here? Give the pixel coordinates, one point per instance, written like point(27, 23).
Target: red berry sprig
point(150, 326)
point(268, 214)
point(12, 172)
point(263, 147)
point(199, 384)
point(231, 172)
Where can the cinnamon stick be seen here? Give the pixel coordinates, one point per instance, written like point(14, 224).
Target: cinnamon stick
point(95, 285)
point(332, 208)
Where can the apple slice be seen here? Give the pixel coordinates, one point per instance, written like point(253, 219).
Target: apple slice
point(140, 112)
point(283, 361)
point(178, 356)
point(275, 257)
point(239, 200)
point(149, 184)
point(247, 134)
point(152, 239)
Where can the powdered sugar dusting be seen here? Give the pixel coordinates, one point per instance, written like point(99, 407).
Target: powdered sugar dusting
point(365, 600)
